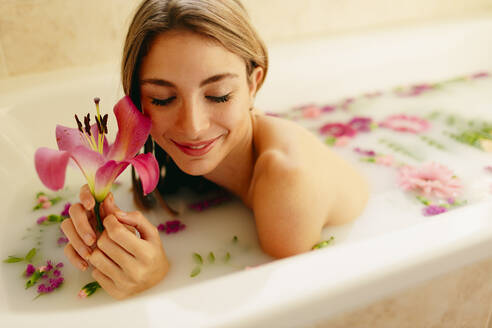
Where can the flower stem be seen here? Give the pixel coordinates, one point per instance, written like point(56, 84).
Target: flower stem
point(100, 226)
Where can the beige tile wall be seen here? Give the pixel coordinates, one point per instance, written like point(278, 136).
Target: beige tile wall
point(459, 299)
point(44, 35)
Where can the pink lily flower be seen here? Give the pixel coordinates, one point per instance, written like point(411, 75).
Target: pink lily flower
point(100, 162)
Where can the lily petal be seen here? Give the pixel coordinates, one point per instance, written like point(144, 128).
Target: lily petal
point(147, 170)
point(51, 166)
point(105, 177)
point(133, 130)
point(69, 138)
point(89, 161)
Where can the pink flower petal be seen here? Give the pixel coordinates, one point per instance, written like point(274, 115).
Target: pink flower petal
point(148, 171)
point(89, 161)
point(69, 138)
point(133, 130)
point(105, 177)
point(51, 166)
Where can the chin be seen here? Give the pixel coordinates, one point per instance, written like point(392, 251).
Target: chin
point(196, 167)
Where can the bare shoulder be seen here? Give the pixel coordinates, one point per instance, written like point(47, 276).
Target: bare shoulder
point(298, 186)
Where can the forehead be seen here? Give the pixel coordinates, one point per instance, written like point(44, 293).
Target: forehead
point(187, 56)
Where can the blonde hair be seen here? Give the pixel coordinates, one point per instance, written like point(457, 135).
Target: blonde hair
point(225, 21)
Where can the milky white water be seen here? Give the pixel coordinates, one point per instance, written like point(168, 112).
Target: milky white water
point(213, 230)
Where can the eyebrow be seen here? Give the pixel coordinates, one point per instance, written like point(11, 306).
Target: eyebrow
point(212, 79)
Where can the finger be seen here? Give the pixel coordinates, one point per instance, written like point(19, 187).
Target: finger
point(80, 220)
point(80, 247)
point(135, 219)
point(107, 284)
point(120, 234)
point(86, 198)
point(115, 252)
point(109, 205)
point(104, 264)
point(75, 258)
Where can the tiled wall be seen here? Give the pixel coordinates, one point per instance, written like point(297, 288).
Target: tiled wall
point(44, 35)
point(459, 299)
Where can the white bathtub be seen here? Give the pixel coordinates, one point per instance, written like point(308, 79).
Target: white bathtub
point(381, 258)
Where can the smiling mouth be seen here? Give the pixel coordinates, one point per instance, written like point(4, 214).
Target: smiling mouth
point(197, 148)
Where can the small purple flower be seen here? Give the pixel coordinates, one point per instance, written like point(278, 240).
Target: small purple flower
point(204, 204)
point(62, 240)
point(161, 227)
point(56, 273)
point(337, 130)
point(361, 124)
point(41, 220)
point(328, 109)
point(65, 210)
point(451, 200)
point(42, 289)
point(174, 226)
point(370, 153)
point(480, 75)
point(59, 265)
point(30, 270)
point(433, 210)
point(49, 265)
point(346, 103)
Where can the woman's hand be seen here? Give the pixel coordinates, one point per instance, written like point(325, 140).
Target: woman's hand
point(124, 264)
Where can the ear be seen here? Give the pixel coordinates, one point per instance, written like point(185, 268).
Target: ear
point(255, 79)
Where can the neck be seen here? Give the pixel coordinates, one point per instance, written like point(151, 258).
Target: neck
point(235, 171)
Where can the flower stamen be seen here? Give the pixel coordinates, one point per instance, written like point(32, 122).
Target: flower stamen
point(100, 125)
point(79, 125)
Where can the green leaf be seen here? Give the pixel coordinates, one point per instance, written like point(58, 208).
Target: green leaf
point(34, 279)
point(330, 140)
point(37, 207)
point(91, 288)
point(30, 255)
point(227, 257)
point(211, 257)
point(55, 200)
point(323, 243)
point(13, 259)
point(40, 194)
point(198, 258)
point(55, 218)
point(196, 271)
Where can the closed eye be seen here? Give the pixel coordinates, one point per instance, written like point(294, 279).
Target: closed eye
point(220, 99)
point(163, 102)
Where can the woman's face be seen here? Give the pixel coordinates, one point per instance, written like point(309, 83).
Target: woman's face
point(198, 97)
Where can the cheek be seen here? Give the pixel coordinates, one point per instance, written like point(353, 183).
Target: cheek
point(159, 124)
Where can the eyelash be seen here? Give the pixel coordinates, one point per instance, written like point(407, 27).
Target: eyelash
point(167, 101)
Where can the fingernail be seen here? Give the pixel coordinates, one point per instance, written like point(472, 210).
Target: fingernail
point(120, 214)
point(88, 204)
point(83, 266)
point(89, 239)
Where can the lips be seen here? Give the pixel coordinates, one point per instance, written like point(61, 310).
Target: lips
point(196, 149)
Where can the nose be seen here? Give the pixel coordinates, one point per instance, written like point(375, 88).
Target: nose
point(192, 120)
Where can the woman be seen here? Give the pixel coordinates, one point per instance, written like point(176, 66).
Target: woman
point(194, 67)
